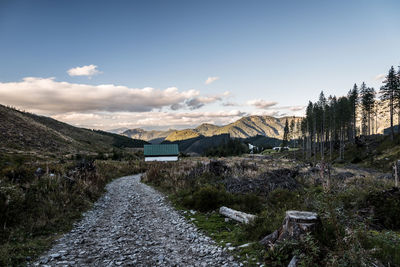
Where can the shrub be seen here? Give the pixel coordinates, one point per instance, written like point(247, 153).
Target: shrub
point(209, 198)
point(386, 207)
point(385, 246)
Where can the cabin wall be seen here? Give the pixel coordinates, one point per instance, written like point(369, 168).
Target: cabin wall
point(169, 158)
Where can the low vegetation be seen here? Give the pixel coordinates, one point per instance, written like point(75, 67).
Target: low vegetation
point(358, 214)
point(40, 200)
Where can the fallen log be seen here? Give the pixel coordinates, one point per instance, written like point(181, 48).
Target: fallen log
point(236, 215)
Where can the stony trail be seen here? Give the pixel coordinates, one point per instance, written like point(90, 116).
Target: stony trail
point(133, 225)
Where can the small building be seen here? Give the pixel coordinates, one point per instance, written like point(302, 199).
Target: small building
point(161, 152)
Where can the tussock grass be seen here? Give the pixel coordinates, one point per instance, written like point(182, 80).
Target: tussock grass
point(356, 229)
point(35, 210)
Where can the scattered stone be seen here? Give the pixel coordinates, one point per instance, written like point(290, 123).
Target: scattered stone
point(293, 262)
point(133, 225)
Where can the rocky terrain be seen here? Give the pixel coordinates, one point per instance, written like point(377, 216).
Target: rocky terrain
point(242, 128)
point(133, 225)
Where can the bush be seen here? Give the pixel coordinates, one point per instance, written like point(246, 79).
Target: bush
point(209, 198)
point(385, 246)
point(386, 207)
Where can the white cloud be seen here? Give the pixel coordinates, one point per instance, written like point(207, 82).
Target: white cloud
point(379, 77)
point(211, 80)
point(200, 101)
point(261, 104)
point(165, 120)
point(297, 108)
point(88, 70)
point(230, 104)
point(47, 96)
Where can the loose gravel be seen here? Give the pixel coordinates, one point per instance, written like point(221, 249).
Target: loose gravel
point(133, 225)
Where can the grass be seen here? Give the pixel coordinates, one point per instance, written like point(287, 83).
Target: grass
point(344, 208)
point(36, 210)
point(226, 234)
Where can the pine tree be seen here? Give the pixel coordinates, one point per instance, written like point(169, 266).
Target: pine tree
point(285, 134)
point(397, 96)
point(353, 98)
point(368, 104)
point(388, 93)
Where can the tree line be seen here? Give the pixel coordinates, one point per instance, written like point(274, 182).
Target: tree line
point(331, 121)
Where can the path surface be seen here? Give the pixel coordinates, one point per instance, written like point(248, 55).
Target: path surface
point(133, 225)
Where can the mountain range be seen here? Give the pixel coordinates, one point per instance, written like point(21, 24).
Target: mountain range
point(243, 128)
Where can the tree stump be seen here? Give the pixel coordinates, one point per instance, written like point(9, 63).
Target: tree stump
point(295, 224)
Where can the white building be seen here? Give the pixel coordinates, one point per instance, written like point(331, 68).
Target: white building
point(161, 152)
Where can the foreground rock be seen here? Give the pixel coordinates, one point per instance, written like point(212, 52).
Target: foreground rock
point(295, 224)
point(133, 225)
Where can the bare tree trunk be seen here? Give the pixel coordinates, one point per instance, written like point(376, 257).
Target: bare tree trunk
point(330, 147)
point(398, 119)
point(391, 119)
point(369, 123)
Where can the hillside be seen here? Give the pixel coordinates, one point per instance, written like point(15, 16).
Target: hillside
point(243, 128)
point(150, 136)
point(21, 131)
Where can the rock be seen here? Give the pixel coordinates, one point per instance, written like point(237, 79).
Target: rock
point(293, 262)
point(55, 255)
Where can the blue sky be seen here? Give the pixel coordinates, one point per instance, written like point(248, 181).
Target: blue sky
point(279, 54)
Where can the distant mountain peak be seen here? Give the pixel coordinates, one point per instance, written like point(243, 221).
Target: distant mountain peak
point(243, 128)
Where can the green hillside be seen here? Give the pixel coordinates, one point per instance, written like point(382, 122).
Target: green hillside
point(30, 133)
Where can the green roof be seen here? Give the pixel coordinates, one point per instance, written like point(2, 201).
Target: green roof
point(161, 150)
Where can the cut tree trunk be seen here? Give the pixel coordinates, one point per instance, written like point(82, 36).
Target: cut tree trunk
point(237, 215)
point(295, 224)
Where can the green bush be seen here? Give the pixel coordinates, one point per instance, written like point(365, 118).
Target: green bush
point(385, 246)
point(386, 207)
point(209, 198)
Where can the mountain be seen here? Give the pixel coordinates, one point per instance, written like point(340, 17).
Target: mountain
point(118, 130)
point(182, 135)
point(243, 128)
point(152, 136)
point(198, 145)
point(26, 132)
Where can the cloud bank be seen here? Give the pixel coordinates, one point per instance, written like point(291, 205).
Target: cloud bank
point(45, 95)
point(163, 120)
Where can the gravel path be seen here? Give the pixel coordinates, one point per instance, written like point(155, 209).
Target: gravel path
point(133, 225)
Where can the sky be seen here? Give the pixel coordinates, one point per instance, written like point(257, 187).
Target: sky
point(177, 64)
